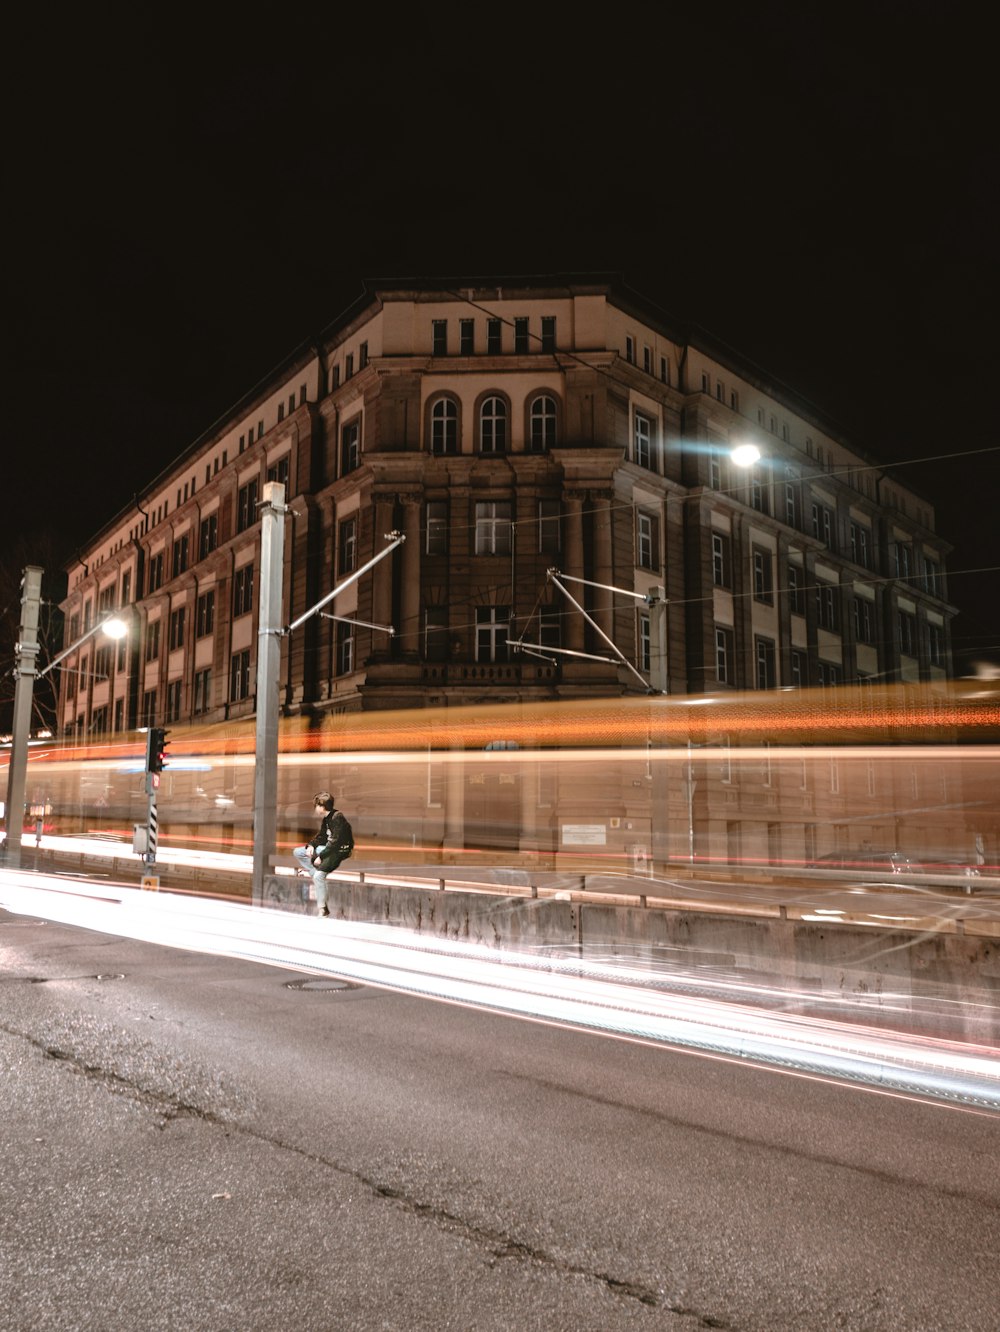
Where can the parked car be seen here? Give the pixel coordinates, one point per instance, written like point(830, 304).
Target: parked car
point(867, 862)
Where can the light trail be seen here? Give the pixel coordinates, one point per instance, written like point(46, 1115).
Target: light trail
point(612, 1000)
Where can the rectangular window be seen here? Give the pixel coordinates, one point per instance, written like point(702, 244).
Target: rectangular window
point(147, 716)
point(246, 507)
point(336, 376)
point(239, 676)
point(208, 535)
point(180, 555)
point(647, 541)
point(126, 587)
point(243, 591)
point(349, 366)
point(791, 505)
point(174, 700)
point(861, 545)
point(548, 526)
point(155, 579)
point(176, 632)
point(864, 620)
point(724, 658)
point(492, 623)
point(347, 546)
point(763, 583)
point(903, 560)
point(722, 575)
point(119, 715)
point(630, 349)
point(278, 471)
point(350, 447)
point(493, 527)
point(494, 344)
point(734, 400)
point(759, 491)
point(642, 441)
point(933, 582)
point(907, 633)
point(827, 673)
point(436, 633)
point(520, 334)
point(548, 333)
point(764, 660)
point(440, 327)
point(935, 644)
point(281, 411)
point(205, 614)
point(345, 647)
point(437, 527)
point(550, 626)
point(827, 606)
point(466, 336)
point(715, 470)
point(796, 668)
point(362, 355)
point(645, 653)
point(796, 590)
point(647, 360)
point(664, 370)
point(152, 640)
point(822, 524)
point(202, 691)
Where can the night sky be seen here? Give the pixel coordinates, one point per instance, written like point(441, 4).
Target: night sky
point(817, 192)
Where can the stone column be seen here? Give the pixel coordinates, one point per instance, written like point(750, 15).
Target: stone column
point(408, 629)
point(603, 603)
point(574, 566)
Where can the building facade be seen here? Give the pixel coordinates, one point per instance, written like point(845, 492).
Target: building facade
point(509, 430)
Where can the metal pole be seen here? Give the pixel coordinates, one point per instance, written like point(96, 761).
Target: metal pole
point(24, 671)
point(269, 633)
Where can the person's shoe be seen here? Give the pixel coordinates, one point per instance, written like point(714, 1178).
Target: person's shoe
point(323, 911)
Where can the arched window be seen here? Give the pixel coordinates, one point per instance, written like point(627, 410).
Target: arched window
point(493, 425)
point(444, 426)
point(542, 424)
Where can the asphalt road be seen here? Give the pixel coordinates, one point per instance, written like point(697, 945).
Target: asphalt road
point(187, 1142)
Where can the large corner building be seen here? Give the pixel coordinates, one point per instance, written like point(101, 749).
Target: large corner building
point(507, 429)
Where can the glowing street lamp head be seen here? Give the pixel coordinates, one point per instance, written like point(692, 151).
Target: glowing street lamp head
point(745, 455)
point(115, 628)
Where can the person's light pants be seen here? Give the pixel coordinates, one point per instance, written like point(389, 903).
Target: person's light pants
point(302, 855)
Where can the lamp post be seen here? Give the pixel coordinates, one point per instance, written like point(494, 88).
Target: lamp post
point(27, 653)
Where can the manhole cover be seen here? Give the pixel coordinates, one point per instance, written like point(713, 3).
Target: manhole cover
point(319, 983)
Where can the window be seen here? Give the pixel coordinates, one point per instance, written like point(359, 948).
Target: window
point(126, 587)
point(759, 494)
point(520, 335)
point(492, 623)
point(734, 400)
point(642, 441)
point(542, 424)
point(466, 336)
point(933, 581)
point(797, 668)
point(645, 652)
point(549, 511)
point(664, 370)
point(147, 717)
point(239, 676)
point(791, 505)
point(715, 470)
point(243, 591)
point(822, 524)
point(345, 647)
point(907, 633)
point(208, 535)
point(550, 626)
point(246, 504)
point(174, 700)
point(180, 563)
point(444, 426)
point(349, 365)
point(152, 640)
point(864, 620)
point(763, 585)
point(935, 644)
point(176, 632)
point(827, 609)
point(436, 633)
point(722, 575)
point(350, 447)
point(548, 333)
point(119, 714)
point(437, 527)
point(278, 471)
point(861, 545)
point(205, 614)
point(281, 411)
point(827, 673)
point(202, 691)
point(362, 355)
point(122, 653)
point(647, 360)
point(493, 337)
point(155, 580)
point(493, 527)
point(796, 590)
point(630, 349)
point(647, 541)
point(336, 376)
point(764, 662)
point(440, 327)
point(724, 658)
point(493, 425)
point(347, 546)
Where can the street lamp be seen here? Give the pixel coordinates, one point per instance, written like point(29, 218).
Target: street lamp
point(26, 675)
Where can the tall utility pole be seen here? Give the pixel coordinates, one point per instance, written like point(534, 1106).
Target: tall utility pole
point(24, 671)
point(265, 784)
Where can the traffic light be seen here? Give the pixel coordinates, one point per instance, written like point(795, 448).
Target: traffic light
point(156, 749)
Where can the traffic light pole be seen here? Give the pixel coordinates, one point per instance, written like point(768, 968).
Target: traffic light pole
point(25, 672)
point(265, 786)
